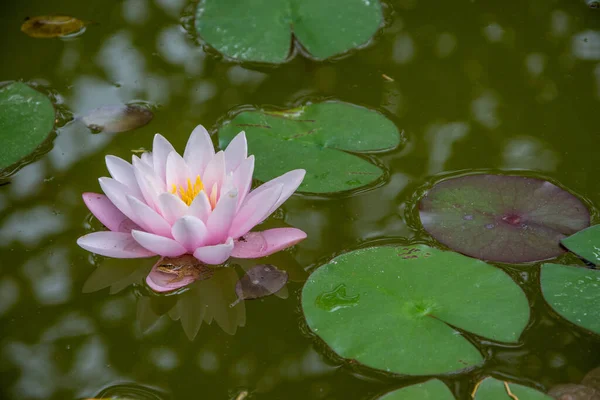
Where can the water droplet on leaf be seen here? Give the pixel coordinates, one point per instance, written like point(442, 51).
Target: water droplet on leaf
point(336, 299)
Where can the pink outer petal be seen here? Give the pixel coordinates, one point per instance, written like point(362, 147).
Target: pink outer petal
point(262, 244)
point(148, 182)
point(161, 282)
point(149, 220)
point(160, 151)
point(214, 255)
point(198, 151)
point(113, 244)
point(122, 172)
point(219, 221)
point(147, 158)
point(190, 232)
point(254, 211)
point(200, 207)
point(177, 171)
point(105, 211)
point(117, 194)
point(158, 244)
point(171, 207)
point(290, 181)
point(242, 179)
point(214, 172)
point(236, 152)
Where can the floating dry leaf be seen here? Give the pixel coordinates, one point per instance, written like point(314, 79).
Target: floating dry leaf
point(117, 118)
point(260, 281)
point(52, 26)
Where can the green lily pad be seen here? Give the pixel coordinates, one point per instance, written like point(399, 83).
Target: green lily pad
point(394, 308)
point(574, 293)
point(318, 138)
point(494, 389)
point(261, 31)
point(512, 219)
point(585, 244)
point(26, 120)
point(430, 390)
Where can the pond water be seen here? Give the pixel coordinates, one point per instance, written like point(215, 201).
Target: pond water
point(472, 85)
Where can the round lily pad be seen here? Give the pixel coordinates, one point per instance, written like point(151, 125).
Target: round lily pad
point(319, 138)
point(263, 31)
point(26, 120)
point(494, 389)
point(430, 390)
point(396, 308)
point(574, 293)
point(585, 244)
point(512, 219)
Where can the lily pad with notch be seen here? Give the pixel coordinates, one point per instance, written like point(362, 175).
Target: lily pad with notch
point(505, 218)
point(266, 30)
point(585, 244)
point(431, 390)
point(319, 138)
point(402, 309)
point(26, 121)
point(574, 293)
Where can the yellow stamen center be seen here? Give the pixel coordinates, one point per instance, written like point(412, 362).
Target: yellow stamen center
point(189, 191)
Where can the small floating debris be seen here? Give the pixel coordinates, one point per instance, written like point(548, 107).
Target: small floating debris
point(387, 78)
point(117, 118)
point(260, 281)
point(52, 26)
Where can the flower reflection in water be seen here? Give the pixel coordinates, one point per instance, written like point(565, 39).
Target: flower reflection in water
point(209, 296)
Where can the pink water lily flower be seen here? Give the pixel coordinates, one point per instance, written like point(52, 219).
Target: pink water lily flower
point(201, 204)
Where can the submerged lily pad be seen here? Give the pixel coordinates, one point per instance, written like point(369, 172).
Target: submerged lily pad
point(260, 281)
point(494, 389)
point(585, 244)
point(262, 31)
point(52, 26)
point(571, 391)
point(318, 138)
point(117, 118)
point(430, 390)
point(592, 379)
point(574, 293)
point(394, 308)
point(513, 219)
point(26, 120)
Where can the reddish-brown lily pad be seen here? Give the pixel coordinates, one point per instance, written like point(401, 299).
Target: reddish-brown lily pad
point(512, 219)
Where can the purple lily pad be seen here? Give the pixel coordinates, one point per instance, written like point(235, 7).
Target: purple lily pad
point(512, 219)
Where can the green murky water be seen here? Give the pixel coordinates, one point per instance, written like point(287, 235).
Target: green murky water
point(474, 85)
